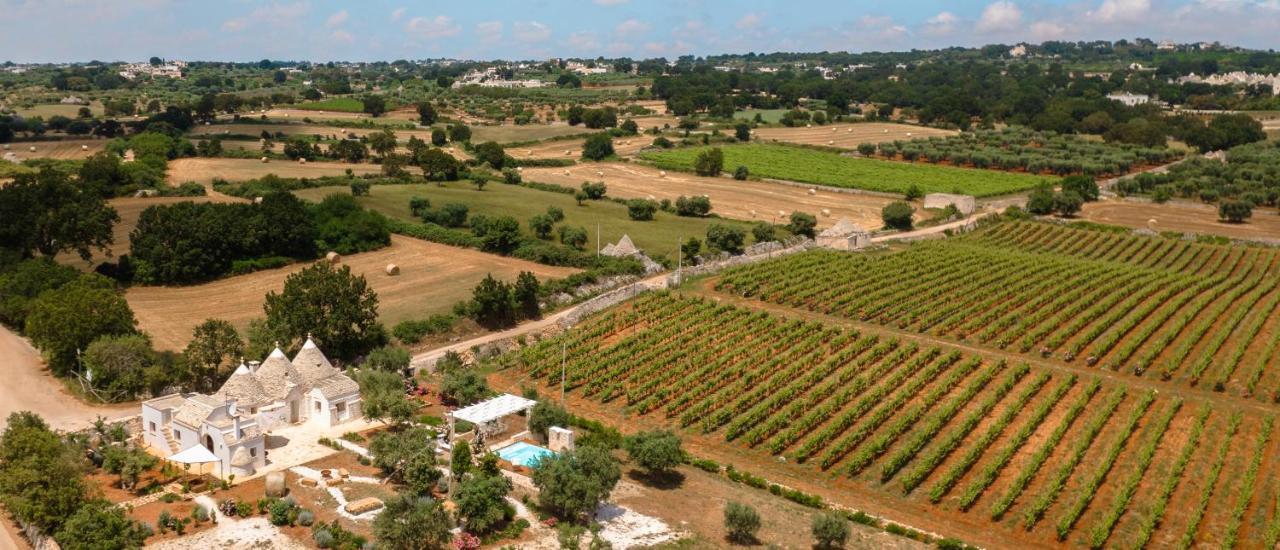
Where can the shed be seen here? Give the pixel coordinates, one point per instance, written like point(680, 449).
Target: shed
point(844, 235)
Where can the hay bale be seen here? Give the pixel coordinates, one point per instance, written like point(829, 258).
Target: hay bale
point(600, 173)
point(366, 504)
point(265, 160)
point(519, 168)
point(275, 484)
point(830, 141)
point(257, 200)
point(826, 212)
point(32, 148)
point(302, 161)
point(84, 147)
point(813, 190)
point(392, 270)
point(333, 257)
point(662, 173)
point(568, 152)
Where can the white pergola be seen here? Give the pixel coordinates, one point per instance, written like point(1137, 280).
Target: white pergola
point(487, 414)
point(197, 454)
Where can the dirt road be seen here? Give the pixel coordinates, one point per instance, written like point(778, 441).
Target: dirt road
point(27, 386)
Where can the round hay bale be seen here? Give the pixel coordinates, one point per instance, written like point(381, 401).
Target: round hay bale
point(808, 126)
point(826, 212)
point(849, 131)
point(32, 148)
point(813, 190)
point(275, 484)
point(600, 173)
point(782, 213)
point(566, 172)
point(392, 270)
point(833, 130)
point(1151, 224)
point(753, 213)
point(257, 200)
point(830, 141)
point(519, 168)
point(84, 147)
point(265, 160)
point(568, 152)
point(651, 197)
point(333, 257)
point(6, 147)
point(302, 161)
point(908, 134)
point(662, 173)
point(885, 131)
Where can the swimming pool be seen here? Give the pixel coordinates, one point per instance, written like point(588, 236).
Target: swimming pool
point(523, 454)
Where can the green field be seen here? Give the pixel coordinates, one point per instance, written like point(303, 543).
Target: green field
point(771, 116)
point(342, 104)
point(658, 237)
point(820, 167)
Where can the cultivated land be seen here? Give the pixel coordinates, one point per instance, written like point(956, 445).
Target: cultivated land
point(510, 133)
point(291, 129)
point(1161, 308)
point(57, 109)
point(432, 278)
point(661, 236)
point(997, 451)
point(71, 149)
point(130, 209)
point(825, 168)
point(849, 136)
point(1186, 217)
point(204, 170)
point(623, 147)
point(744, 200)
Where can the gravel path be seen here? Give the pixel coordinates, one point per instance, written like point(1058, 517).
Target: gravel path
point(27, 386)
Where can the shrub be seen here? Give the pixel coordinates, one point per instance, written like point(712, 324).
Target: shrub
point(1067, 203)
point(655, 451)
point(725, 238)
point(1235, 211)
point(914, 193)
point(306, 518)
point(763, 232)
point(597, 147)
point(1040, 202)
point(830, 530)
point(662, 142)
point(641, 209)
point(709, 162)
point(696, 206)
point(802, 223)
point(897, 215)
point(741, 522)
point(741, 173)
point(323, 538)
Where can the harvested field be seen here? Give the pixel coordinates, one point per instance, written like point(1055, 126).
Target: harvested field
point(646, 122)
point(57, 109)
point(204, 170)
point(432, 278)
point(290, 129)
point(744, 200)
point(849, 136)
point(508, 133)
point(1184, 217)
point(71, 149)
point(623, 147)
point(962, 443)
point(300, 114)
point(130, 209)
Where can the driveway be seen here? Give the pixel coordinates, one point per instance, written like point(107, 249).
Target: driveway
point(27, 386)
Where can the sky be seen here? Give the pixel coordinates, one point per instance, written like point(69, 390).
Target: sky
point(371, 30)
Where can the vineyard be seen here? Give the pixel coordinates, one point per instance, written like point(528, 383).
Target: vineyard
point(1027, 150)
point(1042, 455)
point(1168, 308)
point(825, 168)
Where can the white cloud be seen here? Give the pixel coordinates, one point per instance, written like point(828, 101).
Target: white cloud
point(432, 28)
point(397, 13)
point(584, 41)
point(337, 19)
point(610, 2)
point(274, 14)
point(1121, 11)
point(234, 25)
point(531, 31)
point(942, 24)
point(631, 27)
point(489, 31)
point(345, 37)
point(748, 21)
point(1047, 30)
point(999, 16)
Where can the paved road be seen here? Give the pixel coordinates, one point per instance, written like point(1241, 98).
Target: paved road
point(25, 385)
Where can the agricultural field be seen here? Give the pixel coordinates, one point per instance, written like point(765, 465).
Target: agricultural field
point(341, 104)
point(68, 149)
point(1002, 453)
point(57, 109)
point(511, 133)
point(299, 114)
point(1026, 150)
point(661, 236)
point(825, 168)
point(849, 136)
point(1204, 315)
point(571, 149)
point(204, 170)
point(291, 129)
point(770, 116)
point(1184, 217)
point(743, 200)
point(1249, 174)
point(432, 278)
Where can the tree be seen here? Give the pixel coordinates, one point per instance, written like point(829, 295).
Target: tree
point(47, 213)
point(64, 321)
point(801, 223)
point(695, 206)
point(656, 451)
point(413, 523)
point(568, 80)
point(913, 193)
point(437, 165)
point(298, 147)
point(374, 105)
point(481, 501)
point(334, 306)
point(117, 365)
point(525, 294)
point(830, 530)
point(460, 460)
point(546, 414)
point(491, 153)
point(597, 147)
point(629, 127)
point(763, 232)
point(348, 150)
point(1082, 185)
point(1067, 203)
point(709, 162)
point(572, 484)
point(725, 238)
point(100, 524)
point(21, 284)
point(502, 235)
point(1040, 201)
point(382, 393)
point(41, 478)
point(479, 182)
point(741, 522)
point(641, 209)
point(742, 131)
point(397, 454)
point(491, 304)
point(388, 358)
point(741, 173)
point(690, 249)
point(214, 349)
point(897, 215)
point(459, 133)
point(575, 237)
point(383, 142)
point(426, 114)
point(360, 188)
point(438, 137)
point(1235, 211)
point(594, 191)
point(1226, 131)
point(464, 387)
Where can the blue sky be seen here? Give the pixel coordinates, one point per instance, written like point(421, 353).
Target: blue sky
point(78, 30)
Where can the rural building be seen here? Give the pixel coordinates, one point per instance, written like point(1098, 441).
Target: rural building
point(844, 235)
point(1129, 99)
point(625, 248)
point(254, 399)
point(964, 203)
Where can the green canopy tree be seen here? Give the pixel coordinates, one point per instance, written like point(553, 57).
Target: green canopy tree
point(100, 524)
point(332, 305)
point(572, 484)
point(413, 523)
point(215, 348)
point(47, 213)
point(64, 321)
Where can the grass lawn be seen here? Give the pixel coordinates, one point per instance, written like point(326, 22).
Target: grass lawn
point(343, 104)
point(821, 167)
point(658, 237)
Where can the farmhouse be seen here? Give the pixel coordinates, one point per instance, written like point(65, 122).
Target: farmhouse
point(1129, 99)
point(258, 397)
point(844, 235)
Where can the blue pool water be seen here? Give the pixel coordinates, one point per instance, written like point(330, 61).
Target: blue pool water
point(523, 454)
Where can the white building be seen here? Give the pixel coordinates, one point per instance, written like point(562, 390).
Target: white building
point(256, 398)
point(1018, 51)
point(1129, 99)
point(844, 235)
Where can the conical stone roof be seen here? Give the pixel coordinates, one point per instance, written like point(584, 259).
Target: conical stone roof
point(277, 375)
